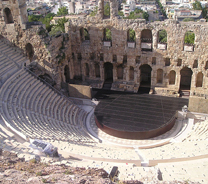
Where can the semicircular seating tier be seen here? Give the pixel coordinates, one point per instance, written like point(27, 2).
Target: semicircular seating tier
point(35, 110)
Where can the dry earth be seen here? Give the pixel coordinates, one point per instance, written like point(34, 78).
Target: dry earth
point(14, 170)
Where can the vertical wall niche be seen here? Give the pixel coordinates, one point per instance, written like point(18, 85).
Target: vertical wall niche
point(125, 59)
point(79, 57)
point(66, 73)
point(8, 16)
point(138, 61)
point(97, 70)
point(172, 76)
point(159, 76)
point(120, 72)
point(179, 62)
point(87, 71)
point(206, 66)
point(92, 56)
point(101, 57)
point(195, 65)
point(199, 79)
point(131, 73)
point(73, 56)
point(114, 58)
point(153, 60)
point(167, 61)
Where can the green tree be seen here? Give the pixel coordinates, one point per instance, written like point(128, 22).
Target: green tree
point(59, 27)
point(197, 5)
point(162, 36)
point(189, 37)
point(46, 20)
point(62, 11)
point(107, 9)
point(145, 16)
point(61, 22)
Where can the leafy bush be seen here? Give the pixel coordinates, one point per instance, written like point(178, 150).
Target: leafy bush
point(189, 37)
point(162, 36)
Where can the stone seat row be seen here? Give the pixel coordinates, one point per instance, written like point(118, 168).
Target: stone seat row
point(27, 106)
point(199, 132)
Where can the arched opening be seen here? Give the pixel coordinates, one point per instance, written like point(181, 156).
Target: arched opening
point(131, 36)
point(162, 36)
point(159, 76)
point(172, 76)
point(186, 74)
point(108, 72)
point(66, 73)
point(29, 51)
point(87, 70)
point(146, 40)
point(8, 16)
point(131, 73)
point(107, 34)
point(199, 79)
point(145, 75)
point(97, 70)
point(120, 72)
point(84, 35)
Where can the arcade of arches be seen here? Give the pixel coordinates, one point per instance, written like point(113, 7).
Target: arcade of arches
point(145, 75)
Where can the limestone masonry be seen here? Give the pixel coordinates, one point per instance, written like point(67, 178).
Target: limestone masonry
point(86, 54)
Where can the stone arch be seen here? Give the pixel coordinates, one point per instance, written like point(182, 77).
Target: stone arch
point(199, 79)
point(145, 75)
point(131, 35)
point(87, 70)
point(159, 76)
point(120, 72)
point(186, 75)
point(66, 74)
point(172, 76)
point(8, 16)
point(162, 36)
point(29, 51)
point(107, 34)
point(131, 73)
point(108, 68)
point(97, 70)
point(146, 40)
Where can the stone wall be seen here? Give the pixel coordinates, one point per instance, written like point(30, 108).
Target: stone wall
point(74, 55)
point(173, 52)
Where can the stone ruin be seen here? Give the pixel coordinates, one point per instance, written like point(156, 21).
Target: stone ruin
point(87, 55)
